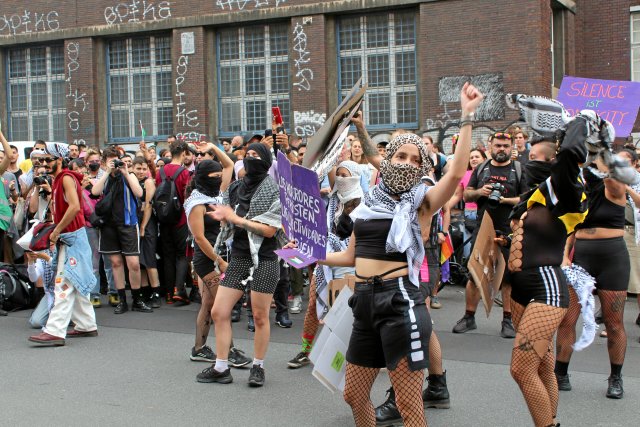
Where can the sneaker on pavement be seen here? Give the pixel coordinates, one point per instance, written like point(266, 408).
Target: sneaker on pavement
point(95, 301)
point(615, 391)
point(296, 304)
point(563, 382)
point(155, 300)
point(507, 330)
point(74, 333)
point(210, 375)
point(181, 298)
point(122, 307)
point(283, 320)
point(237, 359)
point(141, 306)
point(114, 300)
point(256, 376)
point(45, 339)
point(466, 324)
point(235, 315)
point(302, 359)
point(168, 299)
point(435, 303)
point(205, 354)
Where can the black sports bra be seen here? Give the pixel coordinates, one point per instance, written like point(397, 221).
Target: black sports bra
point(605, 215)
point(371, 237)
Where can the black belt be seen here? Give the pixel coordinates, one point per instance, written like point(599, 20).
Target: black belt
point(377, 280)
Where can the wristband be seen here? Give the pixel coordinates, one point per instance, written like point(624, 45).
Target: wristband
point(467, 119)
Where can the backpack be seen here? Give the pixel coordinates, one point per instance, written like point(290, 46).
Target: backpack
point(16, 291)
point(516, 167)
point(165, 200)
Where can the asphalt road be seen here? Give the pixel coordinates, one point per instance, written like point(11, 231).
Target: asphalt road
point(137, 372)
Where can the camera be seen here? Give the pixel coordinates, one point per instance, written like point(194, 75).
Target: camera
point(118, 163)
point(495, 195)
point(39, 180)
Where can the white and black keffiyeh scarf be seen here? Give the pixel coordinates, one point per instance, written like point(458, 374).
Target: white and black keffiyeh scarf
point(197, 198)
point(584, 284)
point(404, 235)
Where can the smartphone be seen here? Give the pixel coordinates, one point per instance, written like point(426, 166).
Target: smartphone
point(277, 117)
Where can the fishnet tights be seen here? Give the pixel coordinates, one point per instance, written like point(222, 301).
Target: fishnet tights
point(208, 290)
point(435, 355)
point(515, 253)
point(532, 360)
point(406, 383)
point(612, 303)
point(310, 327)
point(567, 330)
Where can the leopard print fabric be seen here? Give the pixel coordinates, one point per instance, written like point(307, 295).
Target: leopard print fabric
point(401, 177)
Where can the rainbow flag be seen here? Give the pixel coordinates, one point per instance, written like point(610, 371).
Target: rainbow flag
point(446, 250)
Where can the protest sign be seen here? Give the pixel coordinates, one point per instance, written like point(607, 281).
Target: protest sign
point(615, 101)
point(486, 264)
point(304, 217)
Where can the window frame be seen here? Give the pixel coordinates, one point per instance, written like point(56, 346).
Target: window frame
point(392, 50)
point(49, 78)
point(634, 46)
point(130, 72)
point(243, 62)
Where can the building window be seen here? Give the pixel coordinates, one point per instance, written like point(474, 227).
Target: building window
point(139, 88)
point(36, 94)
point(635, 47)
point(382, 49)
point(253, 76)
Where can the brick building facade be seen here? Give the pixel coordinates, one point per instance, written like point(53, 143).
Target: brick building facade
point(96, 70)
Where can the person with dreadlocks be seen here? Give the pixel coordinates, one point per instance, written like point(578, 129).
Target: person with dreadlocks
point(251, 212)
point(392, 326)
point(347, 194)
point(550, 211)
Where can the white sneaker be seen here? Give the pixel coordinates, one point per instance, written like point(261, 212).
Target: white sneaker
point(296, 304)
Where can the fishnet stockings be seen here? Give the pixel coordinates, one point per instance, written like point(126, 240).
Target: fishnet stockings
point(310, 327)
point(515, 253)
point(532, 359)
point(567, 330)
point(208, 289)
point(357, 394)
point(435, 355)
point(612, 303)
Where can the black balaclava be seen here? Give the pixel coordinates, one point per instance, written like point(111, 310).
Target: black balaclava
point(536, 171)
point(204, 183)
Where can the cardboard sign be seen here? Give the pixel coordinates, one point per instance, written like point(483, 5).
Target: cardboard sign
point(615, 101)
point(336, 286)
point(304, 216)
point(486, 264)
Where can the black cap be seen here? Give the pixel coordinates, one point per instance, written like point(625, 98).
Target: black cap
point(257, 137)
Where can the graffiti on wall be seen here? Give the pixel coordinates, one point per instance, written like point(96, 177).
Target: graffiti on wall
point(137, 11)
point(491, 85)
point(247, 4)
point(186, 118)
point(302, 60)
point(29, 22)
point(79, 99)
point(307, 123)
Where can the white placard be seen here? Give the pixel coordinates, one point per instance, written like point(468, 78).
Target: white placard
point(188, 43)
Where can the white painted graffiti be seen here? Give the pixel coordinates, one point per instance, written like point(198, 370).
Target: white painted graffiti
point(185, 118)
point(79, 99)
point(242, 4)
point(304, 73)
point(80, 141)
point(307, 123)
point(191, 136)
point(450, 116)
point(29, 22)
point(137, 11)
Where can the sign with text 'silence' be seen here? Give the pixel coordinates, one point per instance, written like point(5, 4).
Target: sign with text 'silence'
point(615, 101)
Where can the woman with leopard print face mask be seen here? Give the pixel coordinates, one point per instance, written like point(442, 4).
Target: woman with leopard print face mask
point(391, 325)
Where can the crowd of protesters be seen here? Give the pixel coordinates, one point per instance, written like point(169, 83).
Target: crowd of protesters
point(198, 222)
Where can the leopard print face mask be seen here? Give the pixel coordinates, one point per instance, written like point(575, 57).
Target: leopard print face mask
point(401, 177)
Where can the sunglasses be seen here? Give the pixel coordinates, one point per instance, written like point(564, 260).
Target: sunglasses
point(502, 135)
point(47, 159)
point(204, 154)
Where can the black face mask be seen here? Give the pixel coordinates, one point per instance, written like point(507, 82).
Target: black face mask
point(536, 171)
point(209, 186)
point(255, 167)
point(344, 228)
point(93, 167)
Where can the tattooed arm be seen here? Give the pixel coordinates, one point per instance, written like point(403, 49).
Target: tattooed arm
point(369, 150)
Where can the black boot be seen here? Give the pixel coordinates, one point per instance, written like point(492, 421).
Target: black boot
point(437, 394)
point(388, 414)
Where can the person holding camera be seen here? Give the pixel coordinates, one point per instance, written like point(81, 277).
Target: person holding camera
point(495, 186)
point(119, 234)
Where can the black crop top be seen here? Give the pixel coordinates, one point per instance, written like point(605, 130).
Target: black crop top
point(605, 215)
point(371, 237)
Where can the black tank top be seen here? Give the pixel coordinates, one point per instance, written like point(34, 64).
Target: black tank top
point(544, 238)
point(606, 215)
point(201, 262)
point(371, 238)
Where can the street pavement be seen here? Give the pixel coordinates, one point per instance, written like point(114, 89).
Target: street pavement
point(137, 372)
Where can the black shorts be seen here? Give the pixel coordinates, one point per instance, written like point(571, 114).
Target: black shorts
point(607, 260)
point(265, 277)
point(119, 239)
point(391, 322)
point(546, 285)
point(148, 251)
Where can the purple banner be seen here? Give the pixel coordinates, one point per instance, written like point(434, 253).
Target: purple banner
point(303, 212)
point(615, 101)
